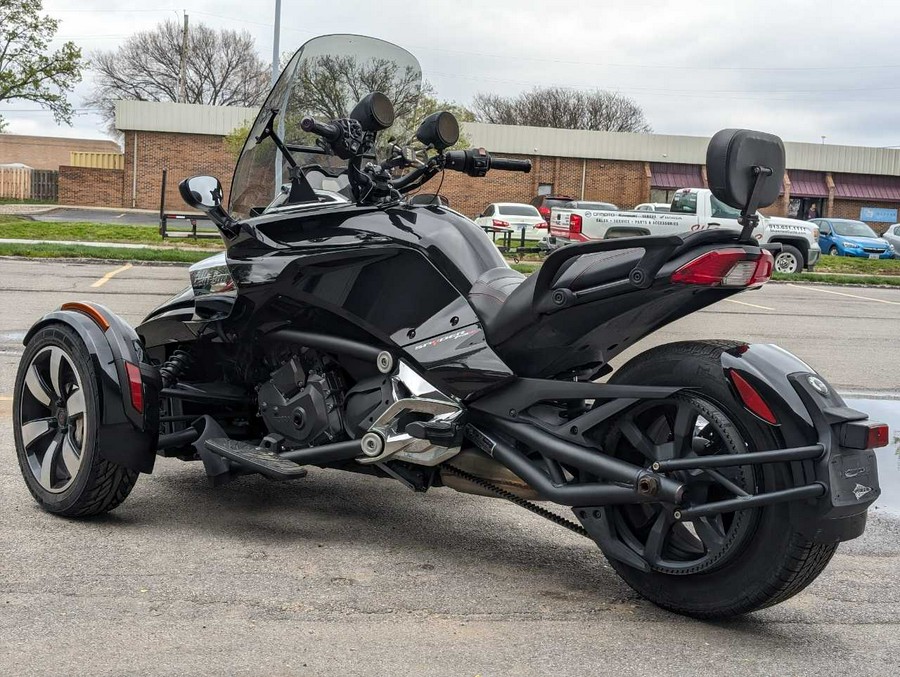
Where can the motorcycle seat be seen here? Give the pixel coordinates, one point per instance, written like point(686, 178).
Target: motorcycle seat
point(503, 298)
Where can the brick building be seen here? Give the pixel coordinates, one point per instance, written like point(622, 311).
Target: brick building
point(48, 152)
point(626, 169)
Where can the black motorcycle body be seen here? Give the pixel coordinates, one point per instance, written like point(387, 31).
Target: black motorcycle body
point(367, 333)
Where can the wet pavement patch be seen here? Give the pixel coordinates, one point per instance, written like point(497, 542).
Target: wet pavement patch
point(885, 411)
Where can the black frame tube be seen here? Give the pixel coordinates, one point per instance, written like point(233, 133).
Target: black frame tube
point(178, 438)
point(731, 460)
point(575, 495)
point(814, 490)
point(325, 453)
point(326, 343)
point(593, 461)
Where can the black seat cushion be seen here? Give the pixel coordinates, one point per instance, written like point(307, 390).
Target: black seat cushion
point(490, 291)
point(592, 270)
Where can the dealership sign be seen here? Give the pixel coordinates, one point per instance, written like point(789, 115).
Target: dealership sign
point(878, 215)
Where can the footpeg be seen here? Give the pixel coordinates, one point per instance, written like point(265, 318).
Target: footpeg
point(256, 459)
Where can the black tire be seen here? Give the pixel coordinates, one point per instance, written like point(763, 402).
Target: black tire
point(789, 260)
point(833, 251)
point(774, 562)
point(87, 484)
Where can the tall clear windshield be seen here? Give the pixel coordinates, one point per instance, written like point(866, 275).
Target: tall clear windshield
point(324, 79)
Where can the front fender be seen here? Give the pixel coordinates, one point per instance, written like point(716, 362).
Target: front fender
point(125, 435)
point(810, 411)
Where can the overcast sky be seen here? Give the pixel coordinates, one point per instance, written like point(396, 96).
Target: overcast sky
point(798, 68)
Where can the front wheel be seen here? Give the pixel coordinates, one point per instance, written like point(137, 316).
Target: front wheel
point(56, 419)
point(726, 564)
point(833, 251)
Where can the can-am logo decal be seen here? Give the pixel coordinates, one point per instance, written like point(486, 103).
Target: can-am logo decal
point(462, 333)
point(860, 490)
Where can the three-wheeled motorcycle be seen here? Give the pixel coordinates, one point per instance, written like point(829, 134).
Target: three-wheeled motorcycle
point(348, 326)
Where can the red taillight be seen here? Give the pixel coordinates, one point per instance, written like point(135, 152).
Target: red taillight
point(500, 224)
point(574, 223)
point(545, 212)
point(727, 268)
point(752, 399)
point(135, 386)
point(864, 435)
point(878, 436)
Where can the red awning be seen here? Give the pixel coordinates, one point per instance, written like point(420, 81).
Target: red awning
point(671, 175)
point(807, 184)
point(867, 187)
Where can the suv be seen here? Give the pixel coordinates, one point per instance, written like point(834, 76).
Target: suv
point(545, 203)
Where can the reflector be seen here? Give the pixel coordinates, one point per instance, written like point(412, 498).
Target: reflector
point(752, 399)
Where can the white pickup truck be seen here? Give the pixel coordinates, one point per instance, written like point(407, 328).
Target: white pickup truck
point(692, 209)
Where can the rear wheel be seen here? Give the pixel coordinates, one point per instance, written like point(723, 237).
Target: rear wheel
point(710, 567)
point(56, 416)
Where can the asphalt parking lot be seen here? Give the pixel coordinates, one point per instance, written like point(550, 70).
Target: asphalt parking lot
point(347, 575)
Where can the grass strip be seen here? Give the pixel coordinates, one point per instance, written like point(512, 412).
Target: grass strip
point(65, 251)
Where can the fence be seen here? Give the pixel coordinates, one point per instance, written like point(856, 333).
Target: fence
point(25, 183)
point(97, 160)
point(44, 185)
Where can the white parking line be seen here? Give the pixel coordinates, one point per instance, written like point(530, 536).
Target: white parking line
point(751, 305)
point(106, 278)
point(852, 296)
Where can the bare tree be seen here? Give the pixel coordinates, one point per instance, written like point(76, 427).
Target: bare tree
point(564, 109)
point(222, 68)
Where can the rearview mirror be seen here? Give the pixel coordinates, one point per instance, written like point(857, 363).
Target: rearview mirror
point(205, 193)
point(745, 169)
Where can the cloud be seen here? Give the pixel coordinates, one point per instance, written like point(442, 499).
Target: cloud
point(801, 69)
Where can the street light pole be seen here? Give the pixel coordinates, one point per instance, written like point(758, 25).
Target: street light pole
point(275, 42)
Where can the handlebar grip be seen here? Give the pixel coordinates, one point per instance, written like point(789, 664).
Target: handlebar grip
point(511, 165)
point(327, 131)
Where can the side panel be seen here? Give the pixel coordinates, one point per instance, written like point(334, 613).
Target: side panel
point(395, 278)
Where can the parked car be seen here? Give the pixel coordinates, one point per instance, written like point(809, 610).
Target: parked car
point(653, 207)
point(514, 216)
point(892, 235)
point(545, 203)
point(846, 237)
point(692, 209)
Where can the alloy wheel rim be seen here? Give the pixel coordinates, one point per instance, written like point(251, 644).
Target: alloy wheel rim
point(785, 263)
point(52, 419)
point(677, 428)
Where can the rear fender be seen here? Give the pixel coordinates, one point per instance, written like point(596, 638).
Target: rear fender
point(125, 436)
point(809, 411)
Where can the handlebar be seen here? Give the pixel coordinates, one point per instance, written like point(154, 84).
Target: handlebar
point(329, 132)
point(511, 165)
point(477, 162)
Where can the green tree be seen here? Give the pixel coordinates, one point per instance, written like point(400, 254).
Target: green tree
point(234, 140)
point(28, 70)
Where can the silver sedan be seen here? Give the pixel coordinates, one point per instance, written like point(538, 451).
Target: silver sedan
point(892, 235)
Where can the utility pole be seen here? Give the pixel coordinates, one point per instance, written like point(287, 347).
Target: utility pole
point(181, 70)
point(275, 42)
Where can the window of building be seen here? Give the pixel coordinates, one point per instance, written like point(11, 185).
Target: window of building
point(545, 189)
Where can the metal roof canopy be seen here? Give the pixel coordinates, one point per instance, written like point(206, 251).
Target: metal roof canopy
point(807, 184)
point(669, 175)
point(866, 187)
point(520, 140)
point(181, 118)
